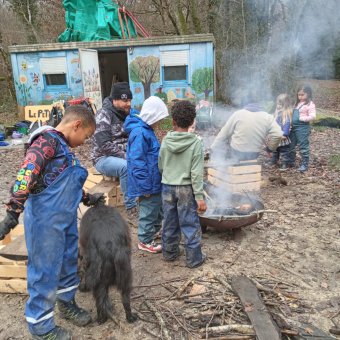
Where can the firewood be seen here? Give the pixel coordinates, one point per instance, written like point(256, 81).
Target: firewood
point(243, 329)
point(159, 319)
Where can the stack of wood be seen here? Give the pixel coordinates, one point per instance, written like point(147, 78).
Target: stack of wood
point(236, 178)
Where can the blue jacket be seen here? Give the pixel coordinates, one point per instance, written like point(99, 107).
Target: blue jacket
point(285, 127)
point(142, 158)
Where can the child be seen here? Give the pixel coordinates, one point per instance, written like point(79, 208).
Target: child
point(303, 113)
point(50, 182)
point(181, 164)
point(144, 179)
point(283, 114)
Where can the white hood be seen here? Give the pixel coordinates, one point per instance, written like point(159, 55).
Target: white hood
point(153, 110)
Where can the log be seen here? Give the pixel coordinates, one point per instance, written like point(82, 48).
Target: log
point(264, 326)
point(242, 329)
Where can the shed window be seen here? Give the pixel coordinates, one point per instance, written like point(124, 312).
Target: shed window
point(175, 66)
point(54, 71)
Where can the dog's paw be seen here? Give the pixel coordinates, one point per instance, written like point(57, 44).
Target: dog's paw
point(131, 318)
point(101, 319)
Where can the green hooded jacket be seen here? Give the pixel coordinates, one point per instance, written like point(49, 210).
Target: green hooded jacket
point(180, 161)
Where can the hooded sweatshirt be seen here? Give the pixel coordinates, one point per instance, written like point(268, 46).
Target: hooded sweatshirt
point(181, 161)
point(143, 147)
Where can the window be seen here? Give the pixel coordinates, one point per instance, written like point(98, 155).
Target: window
point(175, 66)
point(54, 72)
point(55, 79)
point(173, 73)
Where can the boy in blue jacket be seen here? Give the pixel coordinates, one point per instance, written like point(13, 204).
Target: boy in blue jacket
point(144, 178)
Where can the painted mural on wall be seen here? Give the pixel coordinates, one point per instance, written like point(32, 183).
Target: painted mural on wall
point(203, 81)
point(146, 73)
point(29, 82)
point(145, 70)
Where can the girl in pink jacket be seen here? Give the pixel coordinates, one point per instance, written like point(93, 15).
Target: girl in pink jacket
point(303, 113)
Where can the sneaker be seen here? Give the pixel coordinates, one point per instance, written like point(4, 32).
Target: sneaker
point(283, 167)
point(133, 216)
point(57, 333)
point(70, 311)
point(303, 168)
point(150, 247)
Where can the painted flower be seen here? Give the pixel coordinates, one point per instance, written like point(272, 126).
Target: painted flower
point(23, 79)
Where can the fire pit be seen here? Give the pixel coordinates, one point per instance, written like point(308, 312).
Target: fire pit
point(240, 211)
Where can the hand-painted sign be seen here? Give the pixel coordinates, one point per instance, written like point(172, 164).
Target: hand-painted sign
point(38, 112)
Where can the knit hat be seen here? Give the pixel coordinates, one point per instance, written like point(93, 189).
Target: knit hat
point(153, 110)
point(121, 91)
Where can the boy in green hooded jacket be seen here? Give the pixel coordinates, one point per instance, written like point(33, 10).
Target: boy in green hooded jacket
point(181, 165)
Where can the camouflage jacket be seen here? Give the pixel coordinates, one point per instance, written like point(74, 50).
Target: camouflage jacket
point(109, 138)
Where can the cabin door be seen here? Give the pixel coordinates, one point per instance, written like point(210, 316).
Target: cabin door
point(89, 65)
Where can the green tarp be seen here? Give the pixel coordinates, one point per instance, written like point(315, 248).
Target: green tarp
point(91, 20)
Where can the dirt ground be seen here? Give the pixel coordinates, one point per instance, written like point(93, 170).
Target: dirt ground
point(298, 246)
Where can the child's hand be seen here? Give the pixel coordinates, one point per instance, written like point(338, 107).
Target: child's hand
point(202, 207)
point(147, 195)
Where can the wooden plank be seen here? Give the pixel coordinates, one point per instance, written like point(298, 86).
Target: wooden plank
point(242, 178)
point(13, 271)
point(18, 230)
point(264, 326)
point(89, 185)
point(244, 169)
point(235, 187)
point(93, 171)
point(6, 240)
point(14, 286)
point(94, 178)
point(16, 249)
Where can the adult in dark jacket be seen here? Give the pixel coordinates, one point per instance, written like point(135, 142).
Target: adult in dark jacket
point(110, 139)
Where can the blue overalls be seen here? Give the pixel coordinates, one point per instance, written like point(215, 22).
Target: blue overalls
point(299, 135)
point(52, 244)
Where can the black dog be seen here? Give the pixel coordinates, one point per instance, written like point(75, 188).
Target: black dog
point(105, 253)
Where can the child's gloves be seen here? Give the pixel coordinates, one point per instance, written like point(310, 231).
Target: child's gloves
point(92, 199)
point(8, 223)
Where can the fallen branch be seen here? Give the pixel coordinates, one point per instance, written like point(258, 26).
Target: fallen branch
point(158, 316)
point(182, 288)
point(233, 337)
point(243, 329)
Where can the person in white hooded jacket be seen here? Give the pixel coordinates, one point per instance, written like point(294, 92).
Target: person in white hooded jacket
point(144, 178)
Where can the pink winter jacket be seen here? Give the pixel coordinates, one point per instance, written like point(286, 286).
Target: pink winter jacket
point(307, 112)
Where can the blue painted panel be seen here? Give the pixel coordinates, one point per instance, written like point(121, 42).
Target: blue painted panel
point(201, 55)
point(29, 82)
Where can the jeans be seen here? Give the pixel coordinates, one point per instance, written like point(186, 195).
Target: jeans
point(150, 217)
point(116, 167)
point(299, 136)
point(180, 215)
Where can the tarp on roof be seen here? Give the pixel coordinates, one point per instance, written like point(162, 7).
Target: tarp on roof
point(92, 20)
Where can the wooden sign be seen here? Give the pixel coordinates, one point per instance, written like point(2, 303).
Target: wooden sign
point(38, 112)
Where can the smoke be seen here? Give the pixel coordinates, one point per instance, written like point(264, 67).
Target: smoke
point(275, 43)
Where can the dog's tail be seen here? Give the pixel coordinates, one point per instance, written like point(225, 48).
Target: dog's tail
point(123, 269)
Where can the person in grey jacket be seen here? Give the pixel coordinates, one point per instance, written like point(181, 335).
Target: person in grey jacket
point(247, 130)
point(110, 140)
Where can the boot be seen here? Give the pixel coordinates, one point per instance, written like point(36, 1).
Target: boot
point(171, 252)
point(70, 311)
point(194, 257)
point(57, 333)
point(283, 167)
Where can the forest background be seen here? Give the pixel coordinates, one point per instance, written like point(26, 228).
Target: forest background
point(261, 45)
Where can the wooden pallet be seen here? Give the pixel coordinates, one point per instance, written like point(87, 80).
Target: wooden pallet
point(245, 176)
point(96, 182)
point(13, 274)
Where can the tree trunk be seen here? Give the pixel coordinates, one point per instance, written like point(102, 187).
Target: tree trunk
point(147, 91)
point(194, 17)
point(9, 76)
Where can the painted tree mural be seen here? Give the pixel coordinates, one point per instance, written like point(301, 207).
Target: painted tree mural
point(203, 81)
point(146, 71)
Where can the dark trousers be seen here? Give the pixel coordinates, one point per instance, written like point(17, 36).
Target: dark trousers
point(282, 154)
point(299, 136)
point(180, 216)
